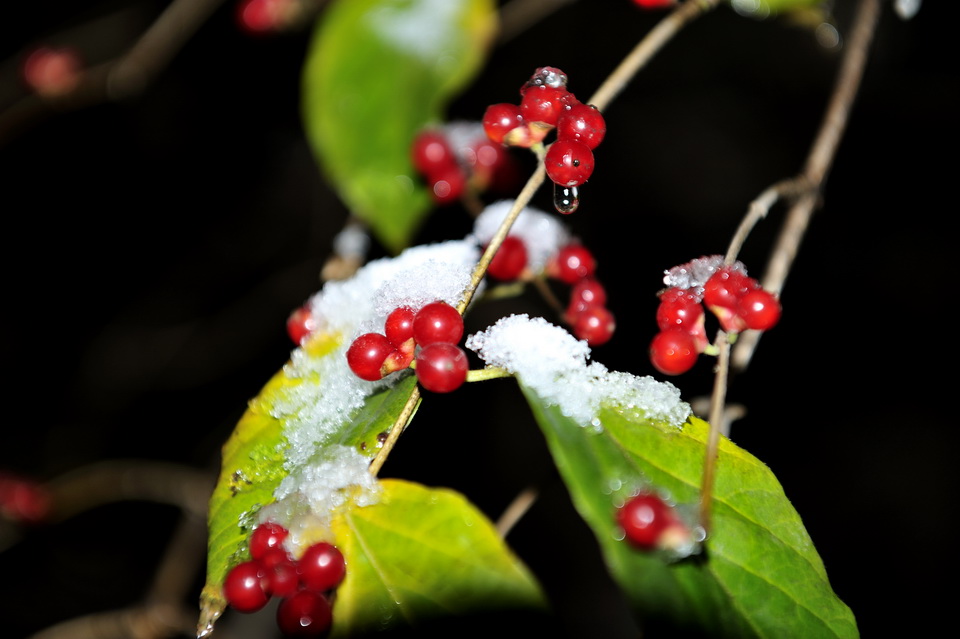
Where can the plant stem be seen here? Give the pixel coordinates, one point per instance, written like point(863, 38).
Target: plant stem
point(818, 164)
point(717, 402)
point(609, 89)
point(398, 426)
point(806, 189)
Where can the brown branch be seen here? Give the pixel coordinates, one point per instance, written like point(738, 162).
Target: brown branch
point(817, 167)
point(609, 89)
point(808, 186)
point(144, 622)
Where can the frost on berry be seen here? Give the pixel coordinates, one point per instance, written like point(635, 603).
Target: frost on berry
point(553, 363)
point(695, 273)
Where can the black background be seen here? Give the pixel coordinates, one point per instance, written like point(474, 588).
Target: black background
point(154, 247)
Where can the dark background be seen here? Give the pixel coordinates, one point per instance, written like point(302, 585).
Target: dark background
point(154, 247)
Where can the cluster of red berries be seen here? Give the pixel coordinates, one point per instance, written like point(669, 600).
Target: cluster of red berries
point(574, 265)
point(587, 313)
point(738, 302)
point(22, 499)
point(650, 523)
point(427, 337)
point(306, 585)
point(459, 157)
point(52, 71)
point(545, 105)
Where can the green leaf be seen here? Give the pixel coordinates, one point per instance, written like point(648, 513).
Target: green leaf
point(422, 554)
point(377, 71)
point(760, 575)
point(252, 466)
point(767, 8)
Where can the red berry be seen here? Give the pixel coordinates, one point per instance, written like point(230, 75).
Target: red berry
point(322, 567)
point(654, 4)
point(437, 322)
point(595, 325)
point(569, 163)
point(545, 104)
point(679, 308)
point(23, 500)
point(759, 309)
point(300, 324)
point(583, 123)
point(585, 293)
point(52, 72)
point(572, 263)
point(282, 579)
point(258, 17)
point(448, 185)
point(722, 293)
point(673, 351)
point(442, 367)
point(243, 589)
point(431, 152)
point(266, 537)
point(643, 519)
point(399, 325)
point(509, 260)
point(501, 119)
point(367, 354)
point(305, 614)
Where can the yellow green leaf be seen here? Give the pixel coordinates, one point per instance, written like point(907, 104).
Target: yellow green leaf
point(422, 554)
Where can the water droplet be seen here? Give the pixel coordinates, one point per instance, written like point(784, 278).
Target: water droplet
point(566, 199)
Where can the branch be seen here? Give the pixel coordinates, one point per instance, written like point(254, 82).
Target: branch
point(817, 167)
point(808, 186)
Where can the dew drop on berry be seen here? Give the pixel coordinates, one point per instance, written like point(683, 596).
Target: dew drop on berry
point(566, 199)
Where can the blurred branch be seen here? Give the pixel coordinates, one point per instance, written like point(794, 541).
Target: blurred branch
point(122, 77)
point(124, 480)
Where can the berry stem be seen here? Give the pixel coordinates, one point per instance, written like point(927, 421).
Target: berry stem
point(717, 403)
point(484, 374)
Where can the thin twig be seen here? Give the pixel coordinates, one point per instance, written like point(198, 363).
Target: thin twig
point(125, 480)
point(516, 510)
point(717, 402)
point(818, 164)
point(809, 185)
point(142, 622)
